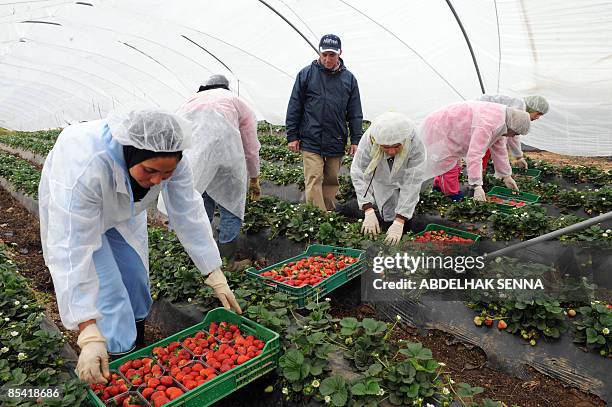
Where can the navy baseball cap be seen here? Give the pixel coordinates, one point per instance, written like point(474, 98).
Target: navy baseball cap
point(330, 42)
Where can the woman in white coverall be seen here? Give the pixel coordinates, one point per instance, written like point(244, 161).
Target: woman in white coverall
point(387, 171)
point(95, 187)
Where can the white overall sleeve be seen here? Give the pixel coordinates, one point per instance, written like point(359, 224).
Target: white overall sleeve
point(412, 179)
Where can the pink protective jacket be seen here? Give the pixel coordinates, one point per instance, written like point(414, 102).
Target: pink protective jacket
point(466, 130)
point(239, 115)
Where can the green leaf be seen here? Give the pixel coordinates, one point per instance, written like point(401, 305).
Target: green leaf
point(335, 387)
point(417, 351)
point(291, 363)
point(413, 391)
point(372, 388)
point(396, 399)
point(358, 389)
point(317, 367)
point(591, 335)
point(372, 326)
point(315, 338)
point(374, 369)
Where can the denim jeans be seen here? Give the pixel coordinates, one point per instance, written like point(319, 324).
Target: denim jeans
point(229, 225)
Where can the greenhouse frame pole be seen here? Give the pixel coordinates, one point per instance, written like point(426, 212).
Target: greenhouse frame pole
point(291, 25)
point(469, 44)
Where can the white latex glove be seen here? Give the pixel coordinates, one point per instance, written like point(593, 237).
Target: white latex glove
point(394, 233)
point(370, 223)
point(92, 366)
point(521, 163)
point(479, 194)
point(510, 183)
point(216, 280)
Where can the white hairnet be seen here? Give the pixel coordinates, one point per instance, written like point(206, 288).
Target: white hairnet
point(150, 129)
point(217, 80)
point(537, 103)
point(386, 130)
point(391, 128)
point(517, 120)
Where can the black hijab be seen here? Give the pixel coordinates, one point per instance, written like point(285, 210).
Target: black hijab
point(134, 156)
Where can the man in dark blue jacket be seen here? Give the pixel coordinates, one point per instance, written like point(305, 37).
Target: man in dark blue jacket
point(323, 108)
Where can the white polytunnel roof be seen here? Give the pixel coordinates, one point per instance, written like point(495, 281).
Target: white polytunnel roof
point(65, 61)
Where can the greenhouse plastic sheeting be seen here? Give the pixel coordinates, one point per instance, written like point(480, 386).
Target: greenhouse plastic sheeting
point(65, 61)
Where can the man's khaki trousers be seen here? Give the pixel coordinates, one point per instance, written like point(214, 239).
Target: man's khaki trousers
point(321, 179)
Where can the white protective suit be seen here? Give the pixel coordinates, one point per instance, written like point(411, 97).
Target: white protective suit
point(85, 191)
point(217, 154)
point(394, 190)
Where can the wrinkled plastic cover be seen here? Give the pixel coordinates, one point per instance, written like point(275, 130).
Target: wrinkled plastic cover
point(62, 62)
point(217, 159)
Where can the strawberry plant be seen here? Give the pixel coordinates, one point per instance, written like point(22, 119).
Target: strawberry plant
point(594, 327)
point(279, 153)
point(39, 142)
point(469, 210)
point(307, 359)
point(432, 202)
point(598, 201)
point(466, 394)
point(257, 214)
point(588, 174)
point(282, 174)
point(571, 199)
point(30, 353)
point(273, 131)
point(173, 275)
point(523, 223)
point(547, 169)
point(23, 175)
point(346, 190)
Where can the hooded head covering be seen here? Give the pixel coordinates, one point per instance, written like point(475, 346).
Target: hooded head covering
point(147, 134)
point(150, 129)
point(536, 103)
point(517, 120)
point(388, 129)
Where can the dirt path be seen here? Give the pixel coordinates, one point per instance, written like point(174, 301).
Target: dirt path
point(603, 163)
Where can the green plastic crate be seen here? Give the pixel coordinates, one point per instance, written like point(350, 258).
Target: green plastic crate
point(305, 293)
point(225, 383)
point(530, 172)
point(451, 231)
point(506, 193)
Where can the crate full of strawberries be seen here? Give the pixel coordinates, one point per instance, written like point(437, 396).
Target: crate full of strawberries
point(439, 234)
point(316, 272)
point(508, 200)
point(195, 367)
